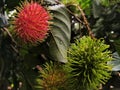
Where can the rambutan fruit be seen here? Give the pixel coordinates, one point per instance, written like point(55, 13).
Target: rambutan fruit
point(32, 22)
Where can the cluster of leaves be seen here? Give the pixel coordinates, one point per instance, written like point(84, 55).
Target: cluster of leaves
point(106, 25)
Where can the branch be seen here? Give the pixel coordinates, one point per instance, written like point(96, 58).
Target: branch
point(12, 39)
point(75, 16)
point(9, 34)
point(86, 22)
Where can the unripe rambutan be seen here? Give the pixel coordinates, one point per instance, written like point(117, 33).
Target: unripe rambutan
point(31, 23)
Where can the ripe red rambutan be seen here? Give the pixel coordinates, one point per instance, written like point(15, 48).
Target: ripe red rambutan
point(31, 23)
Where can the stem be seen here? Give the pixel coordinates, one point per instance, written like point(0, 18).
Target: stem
point(86, 22)
point(5, 29)
point(75, 16)
point(12, 39)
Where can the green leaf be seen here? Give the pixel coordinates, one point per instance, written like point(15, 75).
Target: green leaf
point(61, 32)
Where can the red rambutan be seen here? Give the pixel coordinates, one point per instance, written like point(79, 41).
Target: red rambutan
point(31, 23)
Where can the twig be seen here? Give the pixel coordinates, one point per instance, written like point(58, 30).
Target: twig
point(75, 16)
point(5, 29)
point(86, 22)
point(14, 49)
